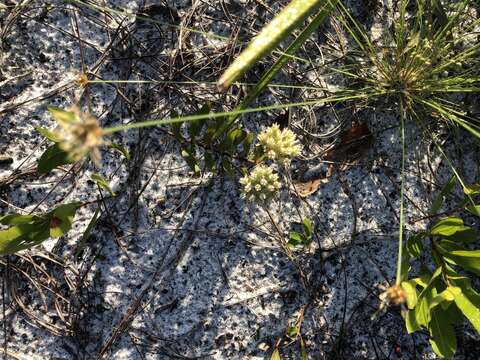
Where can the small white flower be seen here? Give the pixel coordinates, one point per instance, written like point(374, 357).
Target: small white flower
point(279, 145)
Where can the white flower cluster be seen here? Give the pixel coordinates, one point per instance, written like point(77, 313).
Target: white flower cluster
point(279, 145)
point(260, 185)
point(263, 183)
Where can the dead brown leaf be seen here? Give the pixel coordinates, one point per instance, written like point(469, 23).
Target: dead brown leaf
point(307, 188)
point(354, 144)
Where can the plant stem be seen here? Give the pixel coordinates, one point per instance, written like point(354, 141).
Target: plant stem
point(402, 186)
point(287, 250)
point(158, 122)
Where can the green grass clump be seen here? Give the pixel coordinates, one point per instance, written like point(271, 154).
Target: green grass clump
point(429, 55)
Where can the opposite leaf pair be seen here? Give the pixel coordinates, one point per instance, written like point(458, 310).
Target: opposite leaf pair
point(26, 231)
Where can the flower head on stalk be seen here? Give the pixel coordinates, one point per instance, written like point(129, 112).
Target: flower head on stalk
point(79, 133)
point(279, 145)
point(260, 185)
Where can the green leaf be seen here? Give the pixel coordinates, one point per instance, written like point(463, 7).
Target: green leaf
point(448, 226)
point(16, 219)
point(473, 189)
point(454, 315)
point(423, 280)
point(442, 335)
point(438, 202)
point(258, 155)
point(62, 218)
point(422, 309)
point(467, 259)
point(52, 158)
point(196, 126)
point(468, 301)
point(276, 355)
point(212, 126)
point(467, 235)
point(233, 138)
point(247, 144)
point(237, 136)
point(475, 210)
point(103, 183)
point(122, 149)
point(50, 135)
point(10, 237)
point(209, 161)
point(455, 279)
point(411, 291)
point(227, 166)
point(444, 298)
point(445, 246)
point(188, 155)
point(226, 146)
point(415, 244)
point(411, 322)
point(295, 239)
point(293, 331)
point(308, 228)
point(30, 230)
point(22, 236)
point(61, 115)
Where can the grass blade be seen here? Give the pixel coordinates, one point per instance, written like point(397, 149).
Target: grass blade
point(400, 261)
point(277, 66)
point(272, 34)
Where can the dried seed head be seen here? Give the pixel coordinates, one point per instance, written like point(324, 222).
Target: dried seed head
point(395, 295)
point(260, 185)
point(82, 80)
point(279, 145)
point(80, 134)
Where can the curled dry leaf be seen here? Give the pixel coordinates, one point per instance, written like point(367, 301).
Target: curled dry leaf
point(306, 188)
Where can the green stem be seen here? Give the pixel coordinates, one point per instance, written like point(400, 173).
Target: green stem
point(402, 188)
point(158, 122)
